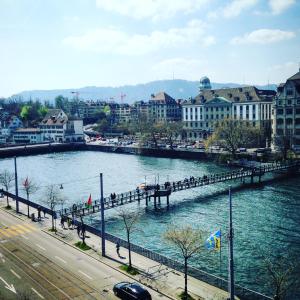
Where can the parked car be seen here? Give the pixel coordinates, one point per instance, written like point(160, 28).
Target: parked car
point(128, 291)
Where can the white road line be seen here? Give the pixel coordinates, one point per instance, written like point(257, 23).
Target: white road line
point(25, 237)
point(86, 275)
point(17, 275)
point(38, 293)
point(4, 225)
point(59, 258)
point(41, 247)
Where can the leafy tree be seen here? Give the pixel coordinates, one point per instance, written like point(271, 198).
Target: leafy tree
point(6, 179)
point(233, 134)
point(172, 131)
point(43, 111)
point(130, 220)
point(61, 102)
point(189, 241)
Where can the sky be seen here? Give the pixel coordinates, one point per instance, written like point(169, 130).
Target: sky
point(55, 44)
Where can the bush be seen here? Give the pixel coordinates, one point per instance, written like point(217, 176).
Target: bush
point(82, 246)
point(129, 270)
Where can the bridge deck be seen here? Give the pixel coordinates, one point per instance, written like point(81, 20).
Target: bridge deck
point(176, 186)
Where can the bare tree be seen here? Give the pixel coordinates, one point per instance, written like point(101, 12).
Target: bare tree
point(52, 199)
point(130, 220)
point(189, 241)
point(30, 188)
point(6, 179)
point(281, 272)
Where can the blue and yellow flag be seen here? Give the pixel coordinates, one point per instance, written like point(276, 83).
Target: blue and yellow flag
point(214, 241)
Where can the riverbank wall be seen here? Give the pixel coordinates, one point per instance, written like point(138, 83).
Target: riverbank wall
point(194, 154)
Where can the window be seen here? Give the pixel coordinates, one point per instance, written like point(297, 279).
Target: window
point(289, 91)
point(279, 111)
point(298, 111)
point(289, 111)
point(289, 121)
point(280, 121)
point(289, 102)
point(280, 131)
point(297, 121)
point(254, 117)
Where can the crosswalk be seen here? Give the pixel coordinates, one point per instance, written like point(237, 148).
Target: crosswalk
point(15, 230)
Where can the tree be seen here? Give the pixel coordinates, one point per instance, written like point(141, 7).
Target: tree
point(52, 199)
point(172, 131)
point(30, 188)
point(189, 241)
point(282, 275)
point(6, 179)
point(61, 102)
point(233, 134)
point(130, 220)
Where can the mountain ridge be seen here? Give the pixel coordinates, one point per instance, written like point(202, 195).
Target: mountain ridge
point(176, 88)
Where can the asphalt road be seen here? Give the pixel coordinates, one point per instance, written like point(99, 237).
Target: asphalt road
point(34, 265)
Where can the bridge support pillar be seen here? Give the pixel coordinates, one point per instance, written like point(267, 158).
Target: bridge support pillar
point(155, 202)
point(168, 202)
point(146, 201)
point(159, 200)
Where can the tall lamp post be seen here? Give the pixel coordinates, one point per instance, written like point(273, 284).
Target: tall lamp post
point(230, 250)
point(16, 185)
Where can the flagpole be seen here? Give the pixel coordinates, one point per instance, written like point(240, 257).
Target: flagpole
point(230, 250)
point(102, 216)
point(220, 252)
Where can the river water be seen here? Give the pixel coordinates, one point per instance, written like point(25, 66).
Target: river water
point(266, 218)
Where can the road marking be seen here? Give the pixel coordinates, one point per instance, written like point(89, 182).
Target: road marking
point(38, 293)
point(9, 287)
point(59, 258)
point(86, 275)
point(25, 237)
point(2, 257)
point(17, 275)
point(29, 226)
point(41, 247)
point(4, 232)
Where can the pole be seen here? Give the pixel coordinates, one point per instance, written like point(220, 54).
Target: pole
point(220, 253)
point(16, 185)
point(102, 216)
point(230, 248)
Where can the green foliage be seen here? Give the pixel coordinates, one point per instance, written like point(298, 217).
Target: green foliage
point(106, 110)
point(61, 102)
point(24, 114)
point(43, 111)
point(83, 246)
point(129, 270)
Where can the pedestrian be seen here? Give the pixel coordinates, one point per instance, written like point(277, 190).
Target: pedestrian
point(62, 222)
point(44, 211)
point(118, 248)
point(39, 213)
point(78, 230)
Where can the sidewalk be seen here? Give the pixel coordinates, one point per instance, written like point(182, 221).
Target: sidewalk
point(152, 274)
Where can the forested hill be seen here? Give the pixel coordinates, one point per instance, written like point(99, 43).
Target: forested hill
point(178, 89)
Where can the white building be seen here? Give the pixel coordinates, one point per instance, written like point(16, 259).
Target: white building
point(245, 103)
point(27, 136)
point(57, 127)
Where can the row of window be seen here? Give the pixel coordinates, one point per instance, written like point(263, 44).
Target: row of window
point(288, 121)
point(288, 111)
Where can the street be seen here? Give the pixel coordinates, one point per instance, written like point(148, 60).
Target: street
point(34, 265)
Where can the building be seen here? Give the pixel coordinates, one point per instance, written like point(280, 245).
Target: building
point(27, 136)
point(248, 103)
point(286, 114)
point(57, 127)
point(122, 113)
point(163, 108)
point(8, 124)
point(89, 109)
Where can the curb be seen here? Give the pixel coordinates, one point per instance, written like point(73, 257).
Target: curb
point(11, 213)
point(108, 265)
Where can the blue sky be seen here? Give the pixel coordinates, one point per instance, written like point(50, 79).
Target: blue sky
point(52, 44)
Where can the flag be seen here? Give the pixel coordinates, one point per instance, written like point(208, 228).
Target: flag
point(89, 202)
point(214, 241)
point(26, 182)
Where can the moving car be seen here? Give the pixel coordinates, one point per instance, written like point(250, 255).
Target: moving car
point(128, 291)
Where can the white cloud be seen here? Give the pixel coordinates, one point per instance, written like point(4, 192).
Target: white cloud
point(113, 40)
point(278, 6)
point(263, 36)
point(155, 9)
point(236, 7)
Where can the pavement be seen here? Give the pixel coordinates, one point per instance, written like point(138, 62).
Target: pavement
point(51, 267)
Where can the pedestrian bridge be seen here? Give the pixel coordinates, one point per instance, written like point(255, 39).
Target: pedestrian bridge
point(165, 190)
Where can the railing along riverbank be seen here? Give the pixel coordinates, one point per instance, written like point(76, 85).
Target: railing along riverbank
point(211, 279)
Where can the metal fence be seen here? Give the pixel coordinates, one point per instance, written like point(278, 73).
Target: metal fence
point(216, 281)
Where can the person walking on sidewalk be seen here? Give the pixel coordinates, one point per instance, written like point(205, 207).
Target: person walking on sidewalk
point(118, 248)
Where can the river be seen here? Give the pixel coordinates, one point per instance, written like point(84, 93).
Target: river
point(266, 218)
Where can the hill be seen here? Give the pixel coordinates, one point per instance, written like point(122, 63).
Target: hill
point(177, 88)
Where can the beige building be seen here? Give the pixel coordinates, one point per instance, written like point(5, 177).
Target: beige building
point(286, 114)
